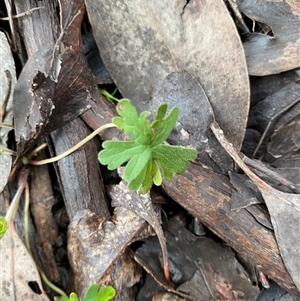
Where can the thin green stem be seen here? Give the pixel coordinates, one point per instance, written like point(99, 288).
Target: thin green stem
point(109, 96)
point(11, 212)
point(26, 212)
point(74, 148)
point(6, 151)
point(6, 125)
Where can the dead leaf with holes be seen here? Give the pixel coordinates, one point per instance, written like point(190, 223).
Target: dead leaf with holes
point(95, 245)
point(18, 272)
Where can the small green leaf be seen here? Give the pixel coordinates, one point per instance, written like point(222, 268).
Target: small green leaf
point(3, 226)
point(163, 127)
point(148, 159)
point(133, 125)
point(136, 164)
point(105, 294)
point(115, 153)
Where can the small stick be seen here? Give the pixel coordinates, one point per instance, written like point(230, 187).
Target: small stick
point(270, 122)
point(274, 175)
point(26, 13)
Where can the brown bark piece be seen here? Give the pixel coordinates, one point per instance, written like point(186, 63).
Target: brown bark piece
point(79, 173)
point(206, 195)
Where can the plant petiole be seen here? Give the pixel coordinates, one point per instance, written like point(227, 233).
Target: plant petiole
point(74, 148)
point(6, 151)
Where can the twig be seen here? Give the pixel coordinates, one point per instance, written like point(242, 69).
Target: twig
point(270, 122)
point(274, 175)
point(26, 13)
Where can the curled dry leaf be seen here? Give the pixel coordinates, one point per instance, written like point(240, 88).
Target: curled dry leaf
point(141, 42)
point(18, 270)
point(55, 83)
point(272, 54)
point(94, 245)
point(141, 205)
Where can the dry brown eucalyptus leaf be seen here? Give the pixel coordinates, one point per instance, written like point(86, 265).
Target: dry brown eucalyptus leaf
point(18, 270)
point(141, 205)
point(200, 267)
point(266, 54)
point(55, 83)
point(284, 209)
point(192, 129)
point(141, 42)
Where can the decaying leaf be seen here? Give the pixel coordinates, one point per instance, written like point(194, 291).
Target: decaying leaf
point(7, 84)
point(288, 166)
point(245, 194)
point(284, 209)
point(274, 112)
point(200, 268)
point(55, 83)
point(141, 42)
point(272, 54)
point(95, 245)
point(18, 271)
point(141, 205)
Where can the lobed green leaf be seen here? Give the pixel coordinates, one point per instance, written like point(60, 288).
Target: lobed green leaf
point(148, 159)
point(115, 153)
point(162, 127)
point(173, 159)
point(135, 126)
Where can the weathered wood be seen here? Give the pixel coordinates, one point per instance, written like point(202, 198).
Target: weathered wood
point(79, 173)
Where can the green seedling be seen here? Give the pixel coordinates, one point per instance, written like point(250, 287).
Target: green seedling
point(3, 226)
point(110, 96)
point(149, 158)
point(93, 294)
